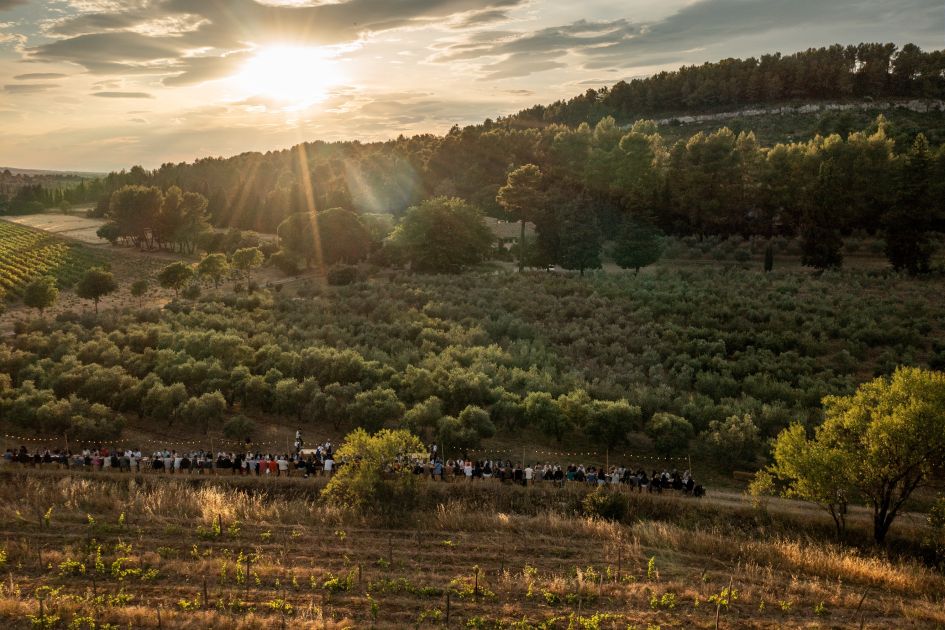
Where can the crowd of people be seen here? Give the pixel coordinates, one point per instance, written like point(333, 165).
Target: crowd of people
point(320, 461)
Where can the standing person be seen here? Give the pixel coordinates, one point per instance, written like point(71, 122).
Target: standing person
point(298, 439)
point(529, 473)
point(329, 464)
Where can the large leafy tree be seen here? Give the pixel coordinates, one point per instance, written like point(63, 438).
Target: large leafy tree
point(580, 237)
point(247, 259)
point(881, 443)
point(135, 209)
point(910, 218)
point(544, 412)
point(520, 197)
point(297, 236)
point(639, 243)
point(442, 235)
point(95, 284)
point(344, 238)
point(213, 266)
point(465, 431)
point(194, 221)
point(175, 276)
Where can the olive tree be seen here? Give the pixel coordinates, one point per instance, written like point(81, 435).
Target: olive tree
point(41, 293)
point(880, 443)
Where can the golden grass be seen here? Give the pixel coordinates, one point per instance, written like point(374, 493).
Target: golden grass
point(547, 566)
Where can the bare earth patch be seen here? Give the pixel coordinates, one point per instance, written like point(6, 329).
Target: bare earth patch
point(78, 227)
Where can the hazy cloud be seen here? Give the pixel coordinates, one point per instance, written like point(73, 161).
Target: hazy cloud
point(27, 88)
point(9, 4)
point(616, 44)
point(40, 76)
point(122, 94)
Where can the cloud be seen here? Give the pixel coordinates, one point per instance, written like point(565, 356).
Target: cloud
point(122, 95)
point(9, 4)
point(200, 69)
point(479, 18)
point(697, 27)
point(40, 76)
point(193, 41)
point(27, 88)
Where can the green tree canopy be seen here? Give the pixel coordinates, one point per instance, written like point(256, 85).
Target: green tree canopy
point(521, 197)
point(579, 238)
point(95, 284)
point(175, 276)
point(135, 209)
point(544, 412)
point(442, 235)
point(639, 244)
point(344, 238)
point(214, 267)
point(41, 293)
point(377, 478)
point(670, 433)
point(248, 258)
point(465, 431)
point(880, 443)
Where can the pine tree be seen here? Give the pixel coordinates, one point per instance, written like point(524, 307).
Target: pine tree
point(908, 222)
point(580, 237)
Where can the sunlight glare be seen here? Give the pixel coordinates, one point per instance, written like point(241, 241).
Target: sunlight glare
point(296, 75)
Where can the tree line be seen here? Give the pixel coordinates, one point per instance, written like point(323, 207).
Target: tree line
point(837, 72)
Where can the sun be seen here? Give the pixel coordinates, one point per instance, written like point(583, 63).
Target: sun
point(295, 75)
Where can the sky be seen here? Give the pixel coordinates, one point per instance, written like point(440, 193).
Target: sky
point(99, 85)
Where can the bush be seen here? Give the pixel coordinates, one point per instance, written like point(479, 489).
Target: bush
point(341, 275)
point(191, 292)
point(734, 441)
point(612, 506)
point(370, 484)
point(285, 262)
point(239, 428)
point(670, 433)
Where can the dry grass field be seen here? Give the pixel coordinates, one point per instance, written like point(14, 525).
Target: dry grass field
point(75, 226)
point(118, 551)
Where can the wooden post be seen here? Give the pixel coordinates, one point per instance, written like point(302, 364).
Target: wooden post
point(476, 586)
point(447, 609)
point(247, 576)
point(205, 598)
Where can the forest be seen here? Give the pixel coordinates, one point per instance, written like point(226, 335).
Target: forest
point(603, 160)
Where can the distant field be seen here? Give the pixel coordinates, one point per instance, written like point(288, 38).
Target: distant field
point(26, 253)
point(74, 226)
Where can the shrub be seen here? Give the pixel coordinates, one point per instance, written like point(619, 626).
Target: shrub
point(735, 441)
point(239, 427)
point(341, 275)
point(371, 483)
point(670, 433)
point(608, 505)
